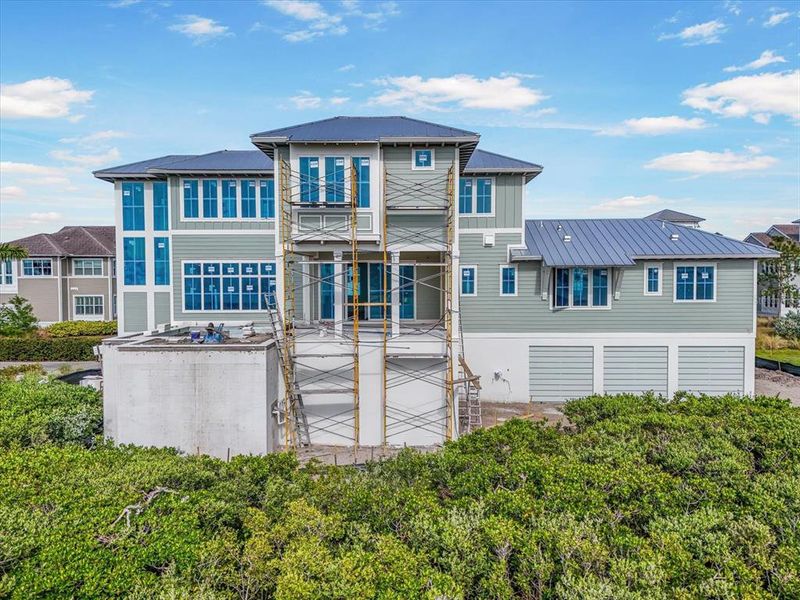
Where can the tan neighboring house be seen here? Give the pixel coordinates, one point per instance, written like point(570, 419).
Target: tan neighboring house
point(69, 275)
point(769, 305)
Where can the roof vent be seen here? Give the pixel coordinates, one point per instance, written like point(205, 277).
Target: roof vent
point(567, 237)
point(674, 237)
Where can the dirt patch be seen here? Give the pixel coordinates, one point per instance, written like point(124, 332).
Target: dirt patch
point(497, 413)
point(776, 383)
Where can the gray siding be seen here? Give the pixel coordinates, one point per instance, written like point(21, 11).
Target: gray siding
point(176, 210)
point(508, 205)
point(213, 247)
point(428, 187)
point(42, 293)
point(634, 370)
point(559, 373)
point(162, 308)
point(428, 299)
point(424, 229)
point(711, 369)
point(488, 312)
point(134, 311)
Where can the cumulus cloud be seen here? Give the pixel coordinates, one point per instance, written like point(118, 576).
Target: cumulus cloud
point(86, 160)
point(768, 57)
point(700, 34)
point(776, 18)
point(626, 202)
point(757, 96)
point(317, 21)
point(701, 162)
point(654, 126)
point(456, 91)
point(45, 98)
point(96, 137)
point(305, 100)
point(200, 29)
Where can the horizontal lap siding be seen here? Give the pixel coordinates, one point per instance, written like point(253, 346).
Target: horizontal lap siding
point(508, 206)
point(135, 311)
point(429, 230)
point(711, 369)
point(416, 188)
point(635, 370)
point(176, 211)
point(558, 373)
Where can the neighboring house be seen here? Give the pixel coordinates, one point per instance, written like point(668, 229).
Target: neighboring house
point(541, 310)
point(69, 275)
point(678, 218)
point(768, 304)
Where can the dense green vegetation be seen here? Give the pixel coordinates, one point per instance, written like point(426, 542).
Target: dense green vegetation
point(41, 349)
point(697, 498)
point(78, 328)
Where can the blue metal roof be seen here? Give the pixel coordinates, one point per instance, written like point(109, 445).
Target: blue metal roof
point(363, 129)
point(620, 242)
point(674, 216)
point(485, 161)
point(223, 160)
point(141, 167)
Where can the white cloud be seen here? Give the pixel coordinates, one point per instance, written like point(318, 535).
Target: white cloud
point(700, 34)
point(45, 98)
point(8, 168)
point(305, 100)
point(461, 91)
point(338, 100)
point(11, 191)
point(45, 217)
point(626, 202)
point(317, 21)
point(776, 18)
point(123, 3)
point(701, 162)
point(93, 138)
point(299, 9)
point(768, 57)
point(346, 68)
point(758, 96)
point(375, 16)
point(200, 29)
point(654, 126)
point(733, 6)
point(86, 160)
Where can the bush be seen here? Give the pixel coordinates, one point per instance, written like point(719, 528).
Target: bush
point(16, 317)
point(79, 328)
point(788, 327)
point(40, 349)
point(16, 371)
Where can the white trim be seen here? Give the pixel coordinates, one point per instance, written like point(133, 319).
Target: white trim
point(431, 167)
point(660, 267)
point(461, 280)
point(516, 280)
point(590, 305)
point(219, 218)
point(77, 317)
point(221, 275)
point(474, 203)
point(22, 275)
point(497, 230)
point(9, 288)
point(695, 266)
point(74, 260)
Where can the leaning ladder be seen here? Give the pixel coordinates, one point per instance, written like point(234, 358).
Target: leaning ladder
point(295, 414)
point(469, 405)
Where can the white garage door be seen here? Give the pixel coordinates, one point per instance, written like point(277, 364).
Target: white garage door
point(559, 373)
point(711, 369)
point(635, 369)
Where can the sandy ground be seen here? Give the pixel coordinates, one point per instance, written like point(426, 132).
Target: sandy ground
point(775, 383)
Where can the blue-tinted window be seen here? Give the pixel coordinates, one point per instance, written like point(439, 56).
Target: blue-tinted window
point(210, 199)
point(250, 293)
point(134, 259)
point(508, 278)
point(705, 283)
point(132, 206)
point(468, 281)
point(327, 291)
point(309, 179)
point(562, 287)
point(228, 198)
point(599, 287)
point(361, 167)
point(684, 283)
point(191, 204)
point(192, 287)
point(161, 260)
point(483, 197)
point(211, 286)
point(334, 179)
point(406, 291)
point(230, 286)
point(580, 287)
point(267, 194)
point(653, 280)
point(268, 292)
point(248, 198)
point(465, 187)
point(160, 206)
point(376, 289)
point(423, 159)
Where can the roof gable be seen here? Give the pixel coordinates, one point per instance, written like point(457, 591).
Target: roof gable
point(674, 216)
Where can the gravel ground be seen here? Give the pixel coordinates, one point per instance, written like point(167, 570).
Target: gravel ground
point(775, 383)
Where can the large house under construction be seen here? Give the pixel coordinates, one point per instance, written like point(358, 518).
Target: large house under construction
point(391, 261)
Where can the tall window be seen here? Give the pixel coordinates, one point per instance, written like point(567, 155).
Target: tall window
point(7, 272)
point(652, 280)
point(37, 267)
point(599, 287)
point(476, 196)
point(483, 204)
point(580, 287)
point(562, 288)
point(508, 280)
point(468, 277)
point(248, 187)
point(87, 267)
point(161, 259)
point(695, 283)
point(465, 191)
point(267, 196)
point(361, 167)
point(228, 199)
point(160, 206)
point(229, 286)
point(132, 206)
point(134, 259)
point(327, 293)
point(89, 307)
point(192, 287)
point(210, 199)
point(406, 291)
point(422, 159)
point(309, 179)
point(268, 289)
point(334, 179)
point(191, 208)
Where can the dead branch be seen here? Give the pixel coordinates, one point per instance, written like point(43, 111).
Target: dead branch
point(138, 508)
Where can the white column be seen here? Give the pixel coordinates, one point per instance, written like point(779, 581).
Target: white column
point(395, 287)
point(339, 292)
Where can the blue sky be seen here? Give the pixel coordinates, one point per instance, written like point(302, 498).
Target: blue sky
point(630, 107)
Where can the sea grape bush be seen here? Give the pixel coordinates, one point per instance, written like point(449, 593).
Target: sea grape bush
point(77, 328)
point(788, 326)
point(642, 498)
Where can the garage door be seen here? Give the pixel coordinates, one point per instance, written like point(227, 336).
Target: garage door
point(635, 370)
point(711, 369)
point(559, 373)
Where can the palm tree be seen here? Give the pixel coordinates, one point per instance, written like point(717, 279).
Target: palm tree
point(10, 251)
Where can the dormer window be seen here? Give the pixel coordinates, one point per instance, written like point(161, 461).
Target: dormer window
point(422, 159)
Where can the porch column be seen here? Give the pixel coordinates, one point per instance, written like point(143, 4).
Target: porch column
point(395, 288)
point(339, 294)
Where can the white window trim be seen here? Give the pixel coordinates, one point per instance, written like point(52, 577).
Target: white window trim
point(694, 265)
point(474, 204)
point(78, 317)
point(221, 275)
point(219, 218)
point(414, 166)
point(461, 280)
point(516, 280)
point(22, 269)
point(660, 267)
point(75, 274)
point(9, 288)
point(591, 305)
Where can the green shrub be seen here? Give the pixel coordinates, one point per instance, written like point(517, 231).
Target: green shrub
point(41, 349)
point(78, 328)
point(788, 327)
point(16, 370)
point(16, 317)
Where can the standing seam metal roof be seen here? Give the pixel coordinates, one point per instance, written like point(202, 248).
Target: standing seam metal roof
point(340, 129)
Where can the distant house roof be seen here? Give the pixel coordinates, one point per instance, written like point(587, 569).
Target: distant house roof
point(760, 238)
point(791, 231)
point(483, 161)
point(221, 161)
point(620, 242)
point(77, 240)
point(673, 216)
